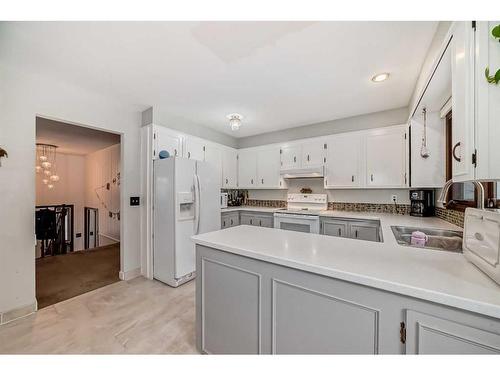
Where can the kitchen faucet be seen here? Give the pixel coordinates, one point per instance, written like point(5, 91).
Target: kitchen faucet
point(480, 193)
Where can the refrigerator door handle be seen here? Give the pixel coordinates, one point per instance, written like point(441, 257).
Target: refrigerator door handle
point(196, 204)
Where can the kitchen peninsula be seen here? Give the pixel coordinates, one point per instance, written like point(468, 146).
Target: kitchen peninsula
point(264, 290)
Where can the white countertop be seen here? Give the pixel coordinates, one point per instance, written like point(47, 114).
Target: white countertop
point(438, 276)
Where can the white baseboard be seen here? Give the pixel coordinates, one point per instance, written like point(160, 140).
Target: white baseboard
point(18, 312)
point(129, 275)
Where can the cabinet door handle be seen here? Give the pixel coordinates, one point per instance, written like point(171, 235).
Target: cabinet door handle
point(231, 221)
point(224, 223)
point(352, 178)
point(189, 154)
point(356, 233)
point(340, 232)
point(251, 221)
point(454, 152)
point(307, 157)
point(226, 180)
point(260, 222)
point(294, 159)
point(262, 181)
point(251, 181)
point(175, 152)
point(371, 177)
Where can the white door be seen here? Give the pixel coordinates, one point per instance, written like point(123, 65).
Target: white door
point(386, 158)
point(462, 75)
point(487, 103)
point(290, 157)
point(268, 168)
point(165, 140)
point(195, 149)
point(247, 169)
point(343, 161)
point(313, 153)
point(229, 169)
point(213, 156)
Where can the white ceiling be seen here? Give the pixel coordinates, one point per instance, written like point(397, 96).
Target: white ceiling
point(276, 74)
point(73, 139)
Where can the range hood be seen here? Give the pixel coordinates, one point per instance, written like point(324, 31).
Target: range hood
point(302, 172)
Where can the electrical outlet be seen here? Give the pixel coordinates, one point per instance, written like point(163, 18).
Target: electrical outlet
point(394, 198)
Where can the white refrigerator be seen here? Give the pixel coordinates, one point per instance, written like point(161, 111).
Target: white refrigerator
point(186, 202)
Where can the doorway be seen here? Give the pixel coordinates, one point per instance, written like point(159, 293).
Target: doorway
point(77, 210)
point(91, 228)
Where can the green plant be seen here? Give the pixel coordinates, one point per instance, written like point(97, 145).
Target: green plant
point(495, 32)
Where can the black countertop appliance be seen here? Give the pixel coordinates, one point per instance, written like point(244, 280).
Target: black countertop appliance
point(422, 202)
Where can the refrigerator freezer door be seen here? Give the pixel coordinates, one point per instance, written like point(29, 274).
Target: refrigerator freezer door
point(164, 218)
point(209, 192)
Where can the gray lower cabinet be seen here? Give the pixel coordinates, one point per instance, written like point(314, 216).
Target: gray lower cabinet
point(257, 219)
point(336, 228)
point(244, 305)
point(368, 230)
point(229, 219)
point(427, 334)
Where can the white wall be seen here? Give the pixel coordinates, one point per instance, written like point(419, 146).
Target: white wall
point(23, 96)
point(70, 189)
point(103, 167)
point(340, 195)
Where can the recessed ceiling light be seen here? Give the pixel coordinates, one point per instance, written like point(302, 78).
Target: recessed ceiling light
point(234, 121)
point(380, 77)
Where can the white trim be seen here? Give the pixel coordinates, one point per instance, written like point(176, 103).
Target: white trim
point(129, 275)
point(18, 313)
point(109, 237)
point(445, 108)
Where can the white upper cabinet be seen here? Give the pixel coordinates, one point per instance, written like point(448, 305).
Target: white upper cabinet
point(247, 169)
point(268, 167)
point(213, 155)
point(386, 157)
point(164, 139)
point(313, 153)
point(229, 169)
point(487, 130)
point(343, 167)
point(462, 74)
point(194, 148)
point(291, 156)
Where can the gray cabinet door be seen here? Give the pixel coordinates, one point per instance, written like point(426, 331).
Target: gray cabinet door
point(247, 219)
point(224, 222)
point(365, 231)
point(266, 221)
point(334, 228)
point(427, 334)
point(230, 309)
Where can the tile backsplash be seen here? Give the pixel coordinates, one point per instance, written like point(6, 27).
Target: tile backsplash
point(451, 216)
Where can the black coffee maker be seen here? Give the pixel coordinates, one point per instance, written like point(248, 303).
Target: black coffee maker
point(422, 202)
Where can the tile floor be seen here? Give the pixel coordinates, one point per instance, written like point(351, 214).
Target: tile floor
point(139, 316)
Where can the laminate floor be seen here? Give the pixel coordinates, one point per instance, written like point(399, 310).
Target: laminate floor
point(139, 316)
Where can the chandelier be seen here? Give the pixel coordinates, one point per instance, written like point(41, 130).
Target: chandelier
point(46, 165)
point(234, 121)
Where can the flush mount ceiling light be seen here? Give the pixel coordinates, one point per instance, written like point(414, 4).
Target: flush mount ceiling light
point(380, 77)
point(234, 121)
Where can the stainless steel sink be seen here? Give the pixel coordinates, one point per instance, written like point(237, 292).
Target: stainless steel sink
point(438, 239)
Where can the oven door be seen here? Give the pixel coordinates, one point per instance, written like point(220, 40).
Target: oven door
point(297, 222)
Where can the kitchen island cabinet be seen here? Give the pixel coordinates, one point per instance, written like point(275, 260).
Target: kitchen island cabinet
point(263, 298)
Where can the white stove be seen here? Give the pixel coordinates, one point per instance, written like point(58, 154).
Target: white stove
point(302, 213)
